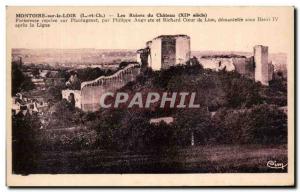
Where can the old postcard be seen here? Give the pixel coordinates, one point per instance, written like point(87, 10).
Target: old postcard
point(150, 96)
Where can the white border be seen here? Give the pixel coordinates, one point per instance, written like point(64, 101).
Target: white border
point(3, 3)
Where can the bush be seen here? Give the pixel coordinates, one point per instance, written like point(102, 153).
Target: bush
point(64, 114)
point(196, 122)
point(25, 149)
point(239, 91)
point(261, 124)
point(20, 81)
point(60, 140)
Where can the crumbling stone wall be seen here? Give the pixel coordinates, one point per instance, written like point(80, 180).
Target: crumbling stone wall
point(92, 91)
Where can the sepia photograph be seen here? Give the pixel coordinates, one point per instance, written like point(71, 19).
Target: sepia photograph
point(153, 91)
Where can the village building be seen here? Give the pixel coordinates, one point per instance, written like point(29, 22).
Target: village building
point(25, 105)
point(167, 120)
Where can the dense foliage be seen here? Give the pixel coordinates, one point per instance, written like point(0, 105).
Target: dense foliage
point(26, 149)
point(88, 74)
point(20, 81)
point(234, 110)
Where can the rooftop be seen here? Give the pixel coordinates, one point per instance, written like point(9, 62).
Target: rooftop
point(172, 36)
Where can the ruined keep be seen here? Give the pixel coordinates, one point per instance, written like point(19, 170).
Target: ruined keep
point(165, 51)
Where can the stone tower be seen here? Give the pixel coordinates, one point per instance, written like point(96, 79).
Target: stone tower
point(261, 73)
point(169, 50)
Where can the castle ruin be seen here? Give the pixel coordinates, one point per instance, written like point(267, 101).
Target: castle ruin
point(165, 51)
point(161, 53)
point(169, 50)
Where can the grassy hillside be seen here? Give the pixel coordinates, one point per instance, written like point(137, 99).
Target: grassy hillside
point(235, 111)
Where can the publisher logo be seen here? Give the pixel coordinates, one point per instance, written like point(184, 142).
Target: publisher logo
point(276, 165)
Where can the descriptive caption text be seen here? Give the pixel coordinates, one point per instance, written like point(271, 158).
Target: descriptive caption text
point(41, 20)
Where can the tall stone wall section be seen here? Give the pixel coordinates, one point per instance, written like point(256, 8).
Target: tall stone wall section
point(155, 50)
point(218, 63)
point(92, 91)
point(242, 65)
point(183, 49)
point(168, 52)
point(261, 64)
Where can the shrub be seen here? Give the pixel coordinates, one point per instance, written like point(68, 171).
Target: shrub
point(261, 124)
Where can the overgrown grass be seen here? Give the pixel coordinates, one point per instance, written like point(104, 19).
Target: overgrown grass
point(200, 159)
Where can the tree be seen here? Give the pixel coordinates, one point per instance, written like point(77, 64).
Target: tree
point(132, 135)
point(35, 72)
point(267, 125)
point(262, 124)
point(64, 114)
point(88, 74)
point(54, 93)
point(193, 124)
point(20, 82)
point(63, 74)
point(124, 64)
point(240, 91)
point(107, 123)
point(25, 146)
